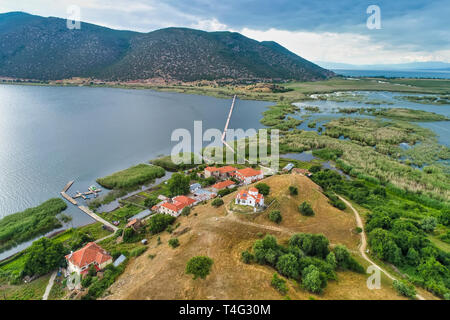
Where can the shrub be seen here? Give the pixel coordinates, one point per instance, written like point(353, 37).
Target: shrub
point(428, 224)
point(293, 191)
point(306, 209)
point(86, 281)
point(186, 211)
point(159, 222)
point(263, 188)
point(138, 251)
point(247, 257)
point(279, 284)
point(174, 242)
point(404, 288)
point(199, 266)
point(217, 202)
point(275, 216)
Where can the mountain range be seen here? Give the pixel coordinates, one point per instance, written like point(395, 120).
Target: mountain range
point(35, 47)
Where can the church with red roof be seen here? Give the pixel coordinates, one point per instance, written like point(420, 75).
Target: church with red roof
point(250, 197)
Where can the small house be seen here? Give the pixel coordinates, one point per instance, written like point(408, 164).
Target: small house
point(91, 254)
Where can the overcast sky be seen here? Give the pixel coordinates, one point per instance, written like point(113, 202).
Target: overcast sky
point(317, 30)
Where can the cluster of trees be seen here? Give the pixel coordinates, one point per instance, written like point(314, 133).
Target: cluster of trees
point(178, 184)
point(307, 257)
point(398, 228)
point(43, 256)
point(30, 223)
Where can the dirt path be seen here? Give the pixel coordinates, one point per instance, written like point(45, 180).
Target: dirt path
point(49, 286)
point(230, 216)
point(363, 245)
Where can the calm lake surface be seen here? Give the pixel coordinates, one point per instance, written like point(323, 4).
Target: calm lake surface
point(441, 74)
point(50, 135)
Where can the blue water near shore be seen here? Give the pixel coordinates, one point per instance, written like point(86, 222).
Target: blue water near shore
point(51, 135)
point(441, 74)
point(329, 109)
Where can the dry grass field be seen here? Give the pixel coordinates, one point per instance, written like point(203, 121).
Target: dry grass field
point(223, 236)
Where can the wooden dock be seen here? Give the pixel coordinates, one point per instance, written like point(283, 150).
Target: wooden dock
point(68, 198)
point(96, 217)
point(68, 185)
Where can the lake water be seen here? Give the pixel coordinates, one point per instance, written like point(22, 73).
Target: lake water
point(441, 74)
point(329, 108)
point(50, 135)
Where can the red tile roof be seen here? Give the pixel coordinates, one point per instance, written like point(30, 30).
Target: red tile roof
point(227, 169)
point(178, 203)
point(249, 172)
point(212, 169)
point(184, 200)
point(243, 194)
point(90, 253)
point(223, 184)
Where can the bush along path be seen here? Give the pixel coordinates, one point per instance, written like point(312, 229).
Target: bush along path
point(363, 245)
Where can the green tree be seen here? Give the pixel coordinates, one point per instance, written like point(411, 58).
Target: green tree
point(293, 191)
point(178, 184)
point(287, 265)
point(306, 209)
point(275, 216)
point(199, 266)
point(263, 188)
point(43, 256)
point(412, 257)
point(311, 279)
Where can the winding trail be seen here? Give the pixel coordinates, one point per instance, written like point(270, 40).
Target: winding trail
point(363, 245)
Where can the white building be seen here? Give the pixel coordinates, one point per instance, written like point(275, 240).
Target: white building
point(250, 197)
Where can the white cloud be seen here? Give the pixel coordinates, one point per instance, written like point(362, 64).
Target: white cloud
point(210, 25)
point(343, 47)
